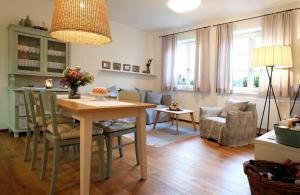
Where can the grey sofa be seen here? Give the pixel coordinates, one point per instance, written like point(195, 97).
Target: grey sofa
point(160, 99)
point(237, 129)
point(163, 117)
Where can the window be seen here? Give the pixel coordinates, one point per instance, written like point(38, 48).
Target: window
point(185, 63)
point(244, 78)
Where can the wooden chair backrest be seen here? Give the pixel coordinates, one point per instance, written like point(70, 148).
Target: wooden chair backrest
point(30, 106)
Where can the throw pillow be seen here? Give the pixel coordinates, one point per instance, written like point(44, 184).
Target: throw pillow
point(234, 105)
point(143, 94)
point(154, 98)
point(114, 91)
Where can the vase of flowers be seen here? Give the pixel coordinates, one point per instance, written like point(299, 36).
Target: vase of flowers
point(74, 78)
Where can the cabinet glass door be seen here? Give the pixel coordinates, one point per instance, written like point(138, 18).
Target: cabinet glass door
point(29, 53)
point(56, 56)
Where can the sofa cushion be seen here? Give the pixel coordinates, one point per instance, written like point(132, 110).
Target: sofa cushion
point(143, 94)
point(154, 98)
point(234, 105)
point(212, 127)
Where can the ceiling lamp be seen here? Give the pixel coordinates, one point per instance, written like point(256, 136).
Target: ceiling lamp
point(81, 21)
point(183, 5)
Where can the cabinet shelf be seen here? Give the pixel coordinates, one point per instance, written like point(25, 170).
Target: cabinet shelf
point(127, 72)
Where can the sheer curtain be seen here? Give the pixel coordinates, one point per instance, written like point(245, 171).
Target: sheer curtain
point(168, 62)
point(277, 30)
point(202, 79)
point(224, 44)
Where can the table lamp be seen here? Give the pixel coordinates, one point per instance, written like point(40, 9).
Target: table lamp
point(270, 57)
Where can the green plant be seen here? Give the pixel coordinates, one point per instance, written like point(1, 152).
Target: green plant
point(245, 82)
point(256, 81)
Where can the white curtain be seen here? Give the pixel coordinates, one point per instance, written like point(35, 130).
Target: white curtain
point(168, 62)
point(277, 30)
point(224, 44)
point(202, 79)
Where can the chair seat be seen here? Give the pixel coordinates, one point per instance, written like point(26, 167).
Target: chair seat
point(71, 131)
point(115, 125)
point(60, 120)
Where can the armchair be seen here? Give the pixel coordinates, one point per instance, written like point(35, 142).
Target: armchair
point(237, 129)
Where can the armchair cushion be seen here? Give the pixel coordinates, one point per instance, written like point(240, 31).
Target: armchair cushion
point(210, 111)
point(234, 105)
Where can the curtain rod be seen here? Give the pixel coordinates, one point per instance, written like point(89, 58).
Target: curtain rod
point(231, 22)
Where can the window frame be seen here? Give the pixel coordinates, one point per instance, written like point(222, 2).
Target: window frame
point(251, 34)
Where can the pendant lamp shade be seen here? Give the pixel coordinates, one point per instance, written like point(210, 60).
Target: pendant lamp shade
point(81, 21)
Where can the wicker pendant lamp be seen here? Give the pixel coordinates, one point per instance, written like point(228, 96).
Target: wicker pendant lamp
point(81, 21)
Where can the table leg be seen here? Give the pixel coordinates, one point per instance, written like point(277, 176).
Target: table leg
point(156, 119)
point(177, 123)
point(85, 154)
point(172, 119)
point(193, 121)
point(141, 142)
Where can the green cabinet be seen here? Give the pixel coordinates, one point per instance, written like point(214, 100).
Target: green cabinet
point(34, 52)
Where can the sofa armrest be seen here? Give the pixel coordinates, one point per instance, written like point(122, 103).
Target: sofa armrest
point(210, 111)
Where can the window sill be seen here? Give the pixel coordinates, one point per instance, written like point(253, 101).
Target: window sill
point(245, 91)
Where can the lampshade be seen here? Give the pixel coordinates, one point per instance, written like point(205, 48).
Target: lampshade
point(278, 56)
point(81, 21)
point(183, 5)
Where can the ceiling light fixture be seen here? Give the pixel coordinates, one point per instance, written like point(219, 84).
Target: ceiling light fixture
point(81, 21)
point(183, 5)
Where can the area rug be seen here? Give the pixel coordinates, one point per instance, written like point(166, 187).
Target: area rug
point(165, 134)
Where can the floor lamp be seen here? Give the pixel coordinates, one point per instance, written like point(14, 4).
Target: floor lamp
point(271, 57)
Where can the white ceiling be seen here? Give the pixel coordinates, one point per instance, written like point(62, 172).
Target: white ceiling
point(154, 15)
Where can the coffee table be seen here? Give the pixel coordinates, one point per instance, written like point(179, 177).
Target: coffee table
point(174, 113)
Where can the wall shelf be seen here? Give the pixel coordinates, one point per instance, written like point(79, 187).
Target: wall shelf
point(125, 72)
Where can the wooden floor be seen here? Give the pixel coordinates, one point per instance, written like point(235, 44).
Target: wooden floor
point(193, 166)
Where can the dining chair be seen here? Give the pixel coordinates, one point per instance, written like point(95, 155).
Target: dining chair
point(118, 128)
point(34, 123)
point(62, 135)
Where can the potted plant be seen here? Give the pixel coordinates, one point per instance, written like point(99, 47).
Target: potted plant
point(74, 78)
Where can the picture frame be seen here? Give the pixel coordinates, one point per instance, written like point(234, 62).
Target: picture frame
point(135, 68)
point(106, 65)
point(126, 67)
point(117, 66)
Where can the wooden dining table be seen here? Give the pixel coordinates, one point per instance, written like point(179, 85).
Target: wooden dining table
point(88, 109)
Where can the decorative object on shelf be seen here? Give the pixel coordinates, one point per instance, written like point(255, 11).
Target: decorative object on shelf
point(278, 56)
point(126, 67)
point(48, 84)
point(11, 81)
point(106, 65)
point(41, 28)
point(27, 22)
point(117, 66)
point(135, 68)
point(83, 22)
point(148, 67)
point(174, 107)
point(22, 22)
point(74, 78)
point(183, 5)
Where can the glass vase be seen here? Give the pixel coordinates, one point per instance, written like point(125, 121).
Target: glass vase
point(73, 93)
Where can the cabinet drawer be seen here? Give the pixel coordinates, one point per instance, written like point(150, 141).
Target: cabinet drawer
point(20, 99)
point(22, 123)
point(21, 110)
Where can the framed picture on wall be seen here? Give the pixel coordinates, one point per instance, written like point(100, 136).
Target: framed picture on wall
point(126, 67)
point(135, 68)
point(117, 66)
point(106, 65)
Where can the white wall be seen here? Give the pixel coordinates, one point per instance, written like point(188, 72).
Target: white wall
point(129, 45)
point(194, 101)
